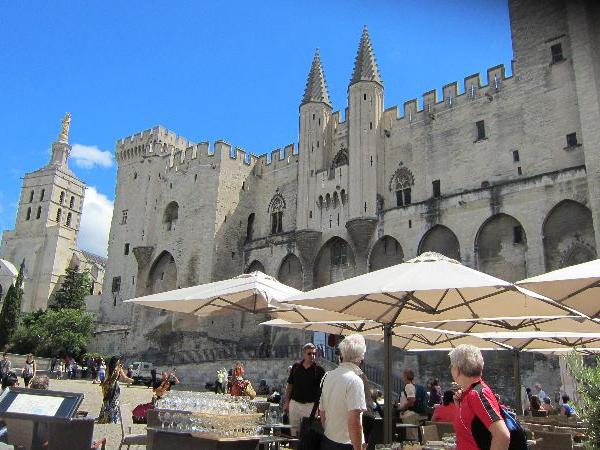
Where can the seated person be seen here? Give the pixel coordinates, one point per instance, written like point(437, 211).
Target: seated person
point(446, 412)
point(263, 388)
point(536, 407)
point(376, 397)
point(566, 409)
point(547, 406)
point(275, 396)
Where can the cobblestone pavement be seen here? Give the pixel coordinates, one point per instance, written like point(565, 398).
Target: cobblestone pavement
point(131, 396)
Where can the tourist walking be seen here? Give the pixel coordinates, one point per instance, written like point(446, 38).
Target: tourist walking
point(343, 399)
point(479, 423)
point(5, 367)
point(303, 387)
point(102, 370)
point(29, 370)
point(109, 412)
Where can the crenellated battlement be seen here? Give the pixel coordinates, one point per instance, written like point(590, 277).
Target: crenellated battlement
point(497, 81)
point(276, 159)
point(156, 140)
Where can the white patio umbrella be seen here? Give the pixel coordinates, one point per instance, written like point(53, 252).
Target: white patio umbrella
point(405, 337)
point(577, 286)
point(429, 287)
point(254, 292)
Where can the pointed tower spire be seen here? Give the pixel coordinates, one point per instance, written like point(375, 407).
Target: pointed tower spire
point(365, 66)
point(316, 88)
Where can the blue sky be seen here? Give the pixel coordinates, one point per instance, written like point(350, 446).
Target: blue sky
point(209, 70)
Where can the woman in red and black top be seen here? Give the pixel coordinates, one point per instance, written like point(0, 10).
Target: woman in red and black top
point(479, 424)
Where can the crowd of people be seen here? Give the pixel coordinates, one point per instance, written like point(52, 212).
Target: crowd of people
point(343, 397)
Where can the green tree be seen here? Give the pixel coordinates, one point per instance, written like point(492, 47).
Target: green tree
point(11, 310)
point(62, 331)
point(587, 378)
point(73, 290)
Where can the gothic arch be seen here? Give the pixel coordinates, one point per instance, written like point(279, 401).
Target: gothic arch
point(442, 240)
point(402, 178)
point(334, 262)
point(386, 252)
point(340, 159)
point(163, 274)
point(290, 272)
point(568, 234)
point(277, 203)
point(501, 246)
point(255, 266)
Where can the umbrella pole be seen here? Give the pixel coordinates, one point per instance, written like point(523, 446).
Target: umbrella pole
point(517, 378)
point(387, 384)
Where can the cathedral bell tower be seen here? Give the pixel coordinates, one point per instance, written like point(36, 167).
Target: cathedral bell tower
point(365, 102)
point(47, 224)
point(315, 114)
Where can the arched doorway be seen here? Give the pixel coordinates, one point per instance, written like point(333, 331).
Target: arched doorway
point(385, 253)
point(163, 274)
point(290, 272)
point(442, 240)
point(255, 266)
point(501, 247)
point(334, 262)
point(568, 235)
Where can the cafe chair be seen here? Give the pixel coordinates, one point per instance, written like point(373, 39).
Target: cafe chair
point(76, 434)
point(129, 438)
point(547, 440)
point(429, 433)
point(19, 432)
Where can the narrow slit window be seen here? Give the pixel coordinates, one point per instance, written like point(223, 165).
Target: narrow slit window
point(39, 212)
point(557, 53)
point(69, 217)
point(437, 191)
point(126, 249)
point(516, 157)
point(31, 196)
point(480, 130)
point(28, 214)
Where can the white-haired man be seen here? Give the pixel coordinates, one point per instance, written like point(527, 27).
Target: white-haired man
point(303, 387)
point(343, 399)
point(479, 423)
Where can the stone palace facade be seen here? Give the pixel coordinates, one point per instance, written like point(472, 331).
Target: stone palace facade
point(502, 174)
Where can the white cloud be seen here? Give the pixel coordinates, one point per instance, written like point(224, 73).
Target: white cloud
point(89, 156)
point(95, 222)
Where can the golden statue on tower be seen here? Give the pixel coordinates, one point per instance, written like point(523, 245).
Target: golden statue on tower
point(64, 132)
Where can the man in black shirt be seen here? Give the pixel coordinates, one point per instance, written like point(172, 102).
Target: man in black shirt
point(303, 387)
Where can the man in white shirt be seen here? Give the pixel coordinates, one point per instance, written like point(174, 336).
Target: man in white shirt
point(343, 399)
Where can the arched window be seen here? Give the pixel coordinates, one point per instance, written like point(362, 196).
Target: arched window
point(62, 197)
point(39, 212)
point(320, 201)
point(28, 214)
point(31, 196)
point(58, 215)
point(171, 215)
point(72, 202)
point(69, 219)
point(339, 253)
point(276, 208)
point(42, 194)
point(340, 159)
point(336, 200)
point(250, 228)
point(401, 183)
